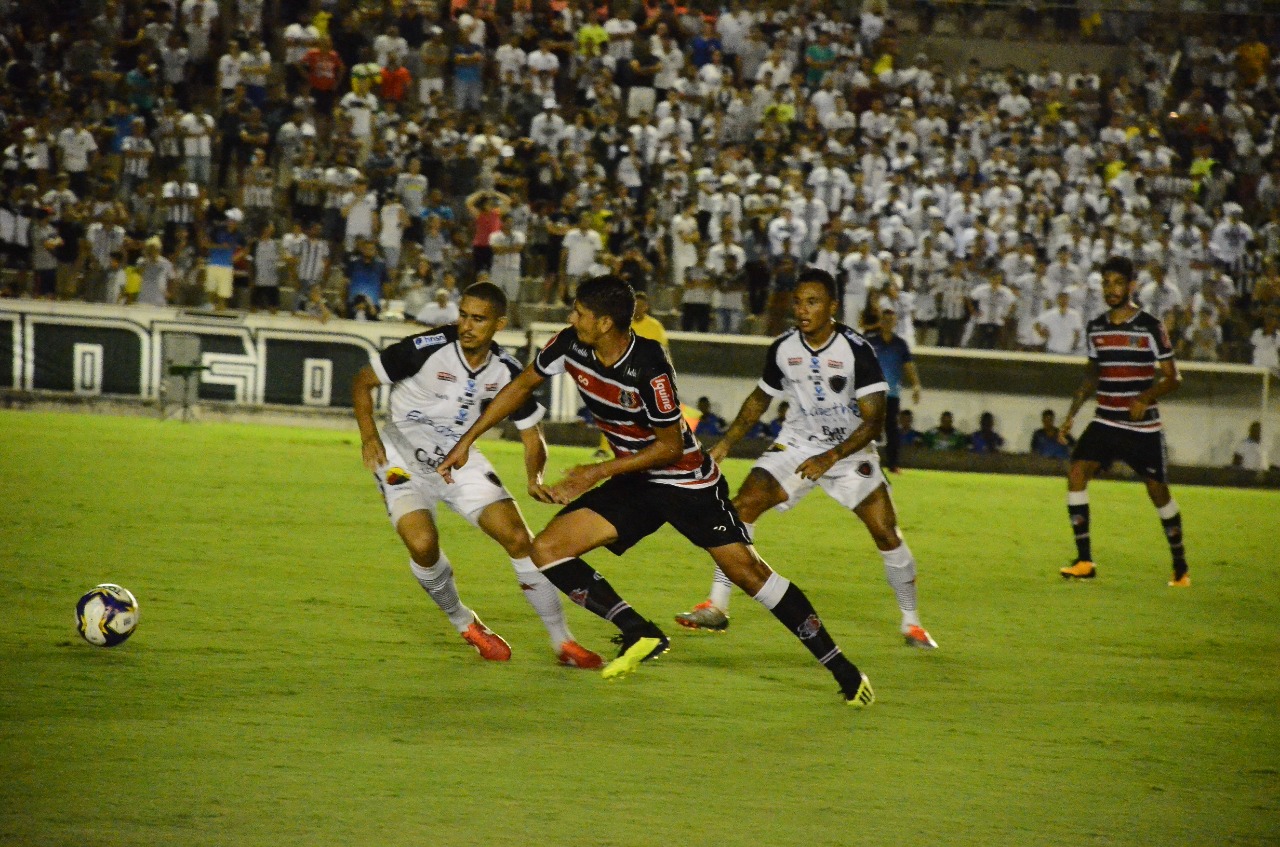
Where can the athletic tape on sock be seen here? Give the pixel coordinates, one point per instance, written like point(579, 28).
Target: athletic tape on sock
point(771, 593)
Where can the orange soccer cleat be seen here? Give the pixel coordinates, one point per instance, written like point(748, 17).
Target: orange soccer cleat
point(487, 642)
point(574, 655)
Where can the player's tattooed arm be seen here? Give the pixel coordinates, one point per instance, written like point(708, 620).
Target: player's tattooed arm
point(1082, 395)
point(372, 450)
point(753, 408)
point(872, 408)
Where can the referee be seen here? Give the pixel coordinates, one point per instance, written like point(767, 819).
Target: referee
point(895, 360)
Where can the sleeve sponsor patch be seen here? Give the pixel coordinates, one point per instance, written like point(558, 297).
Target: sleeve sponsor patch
point(664, 394)
point(427, 340)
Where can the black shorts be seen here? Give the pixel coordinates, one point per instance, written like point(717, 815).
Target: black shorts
point(1143, 451)
point(638, 507)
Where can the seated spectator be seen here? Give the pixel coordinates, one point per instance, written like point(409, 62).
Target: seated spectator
point(908, 435)
point(1248, 453)
point(945, 436)
point(709, 424)
point(1044, 441)
point(439, 312)
point(771, 428)
point(986, 440)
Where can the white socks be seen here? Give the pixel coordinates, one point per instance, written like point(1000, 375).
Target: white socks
point(544, 598)
point(900, 571)
point(721, 586)
point(770, 594)
point(437, 581)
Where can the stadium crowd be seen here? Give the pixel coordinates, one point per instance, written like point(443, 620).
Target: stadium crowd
point(355, 155)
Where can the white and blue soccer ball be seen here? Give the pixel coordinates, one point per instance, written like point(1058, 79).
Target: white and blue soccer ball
point(107, 615)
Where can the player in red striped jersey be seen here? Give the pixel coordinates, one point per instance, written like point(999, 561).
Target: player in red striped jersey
point(659, 475)
point(1131, 367)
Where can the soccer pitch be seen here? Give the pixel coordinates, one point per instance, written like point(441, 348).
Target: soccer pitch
point(290, 684)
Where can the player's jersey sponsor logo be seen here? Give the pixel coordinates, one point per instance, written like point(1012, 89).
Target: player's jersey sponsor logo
point(427, 340)
point(809, 628)
point(445, 376)
point(579, 596)
point(794, 360)
point(491, 386)
point(835, 364)
point(838, 382)
point(663, 393)
point(397, 476)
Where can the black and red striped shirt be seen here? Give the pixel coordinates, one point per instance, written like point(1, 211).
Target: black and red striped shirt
point(1128, 356)
point(628, 400)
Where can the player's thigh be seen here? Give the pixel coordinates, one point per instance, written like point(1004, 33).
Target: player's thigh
point(403, 490)
point(877, 512)
point(759, 493)
point(780, 462)
point(703, 515)
point(475, 487)
point(572, 534)
point(628, 508)
point(503, 522)
point(1145, 452)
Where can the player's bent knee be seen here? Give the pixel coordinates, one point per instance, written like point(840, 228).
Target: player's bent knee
point(743, 566)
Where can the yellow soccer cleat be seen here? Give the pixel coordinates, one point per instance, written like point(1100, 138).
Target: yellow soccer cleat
point(1080, 569)
point(636, 648)
point(863, 697)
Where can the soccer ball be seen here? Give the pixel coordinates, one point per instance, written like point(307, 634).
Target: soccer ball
point(107, 615)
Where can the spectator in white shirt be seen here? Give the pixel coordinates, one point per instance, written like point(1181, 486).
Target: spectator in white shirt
point(991, 305)
point(1248, 453)
point(1266, 344)
point(440, 311)
point(1062, 328)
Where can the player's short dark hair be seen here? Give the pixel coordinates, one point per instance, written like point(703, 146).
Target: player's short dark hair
point(1119, 265)
point(611, 296)
point(489, 293)
point(821, 277)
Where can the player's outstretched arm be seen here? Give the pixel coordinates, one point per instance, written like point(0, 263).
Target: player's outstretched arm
point(753, 409)
point(371, 448)
point(1082, 395)
point(512, 397)
point(535, 462)
point(668, 447)
point(872, 408)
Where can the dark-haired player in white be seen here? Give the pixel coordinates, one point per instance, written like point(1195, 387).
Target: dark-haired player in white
point(659, 475)
point(832, 380)
point(1131, 367)
point(440, 381)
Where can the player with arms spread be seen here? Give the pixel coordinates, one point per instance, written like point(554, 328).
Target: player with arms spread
point(1131, 366)
point(659, 475)
point(440, 380)
point(836, 391)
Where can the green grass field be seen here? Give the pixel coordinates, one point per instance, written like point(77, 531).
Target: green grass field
point(290, 684)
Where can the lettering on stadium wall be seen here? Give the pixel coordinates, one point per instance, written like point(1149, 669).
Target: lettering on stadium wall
point(124, 352)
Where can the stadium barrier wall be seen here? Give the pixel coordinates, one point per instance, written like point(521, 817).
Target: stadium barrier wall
point(1204, 420)
point(82, 350)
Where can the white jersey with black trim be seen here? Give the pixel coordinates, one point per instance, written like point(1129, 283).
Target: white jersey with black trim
point(822, 385)
point(436, 396)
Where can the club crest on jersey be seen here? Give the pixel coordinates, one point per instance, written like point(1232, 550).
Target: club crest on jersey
point(838, 382)
point(491, 386)
point(864, 470)
point(1136, 343)
point(445, 376)
point(427, 340)
point(809, 628)
point(579, 596)
point(664, 393)
point(397, 476)
point(628, 400)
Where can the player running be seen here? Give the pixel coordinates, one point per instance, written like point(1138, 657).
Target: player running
point(659, 475)
point(832, 380)
point(439, 380)
point(1131, 366)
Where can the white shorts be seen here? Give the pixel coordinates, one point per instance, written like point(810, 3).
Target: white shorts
point(412, 484)
point(850, 480)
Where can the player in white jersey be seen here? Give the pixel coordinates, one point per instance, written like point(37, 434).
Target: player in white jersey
point(832, 380)
point(440, 382)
